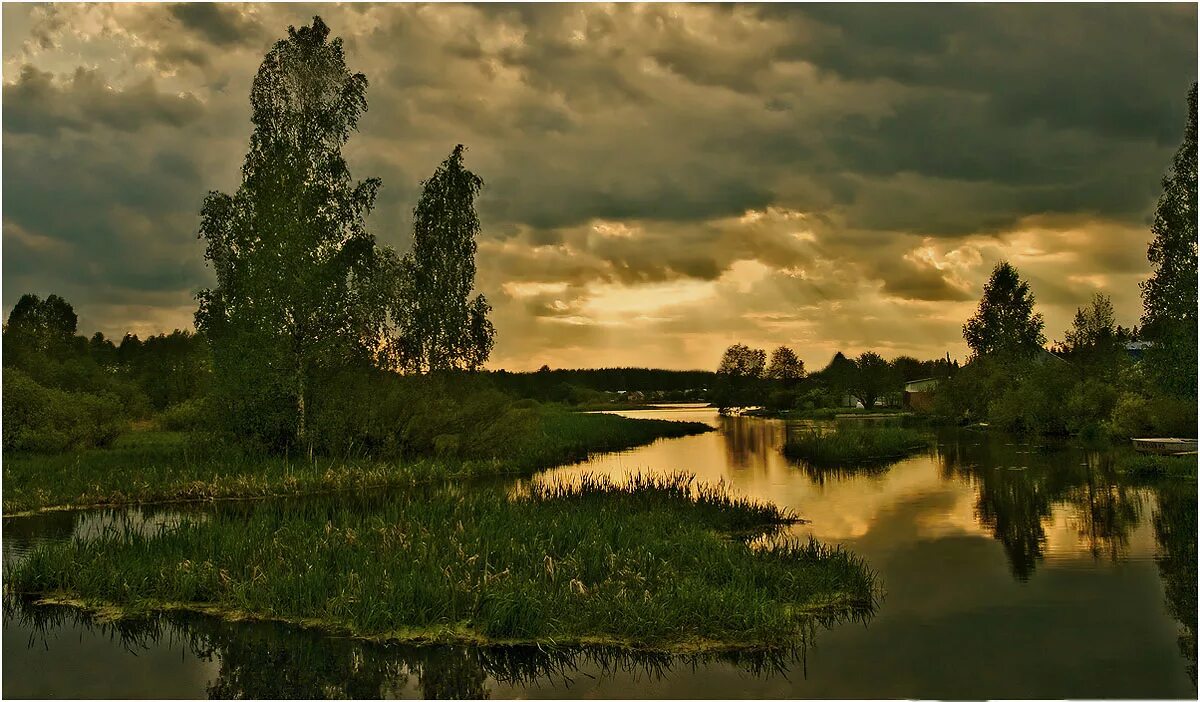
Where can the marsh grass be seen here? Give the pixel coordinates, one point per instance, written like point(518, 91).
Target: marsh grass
point(857, 443)
point(1142, 466)
point(655, 562)
point(165, 466)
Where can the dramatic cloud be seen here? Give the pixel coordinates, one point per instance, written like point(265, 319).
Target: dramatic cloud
point(662, 180)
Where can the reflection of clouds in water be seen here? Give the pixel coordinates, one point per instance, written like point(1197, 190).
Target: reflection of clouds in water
point(947, 532)
point(1036, 502)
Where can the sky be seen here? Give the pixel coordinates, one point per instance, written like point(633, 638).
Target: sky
point(661, 181)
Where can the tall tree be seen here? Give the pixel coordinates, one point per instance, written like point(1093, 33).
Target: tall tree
point(1169, 296)
point(873, 378)
point(1005, 322)
point(785, 368)
point(296, 268)
point(738, 376)
point(440, 326)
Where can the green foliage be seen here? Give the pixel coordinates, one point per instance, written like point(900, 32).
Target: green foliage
point(298, 291)
point(659, 562)
point(853, 442)
point(872, 379)
point(40, 419)
point(477, 434)
point(440, 327)
point(39, 327)
point(1031, 402)
point(739, 377)
point(1005, 322)
point(1094, 342)
point(189, 415)
point(1169, 296)
point(785, 368)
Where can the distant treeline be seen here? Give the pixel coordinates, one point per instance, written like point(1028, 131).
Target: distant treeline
point(574, 384)
point(62, 390)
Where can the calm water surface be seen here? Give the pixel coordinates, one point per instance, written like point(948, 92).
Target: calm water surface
point(1010, 570)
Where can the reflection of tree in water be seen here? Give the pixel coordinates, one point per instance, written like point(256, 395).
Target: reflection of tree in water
point(819, 475)
point(1019, 485)
point(263, 660)
point(748, 441)
point(1012, 500)
point(1175, 532)
point(1108, 509)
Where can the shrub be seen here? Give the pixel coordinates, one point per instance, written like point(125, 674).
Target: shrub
point(1135, 414)
point(189, 415)
point(44, 420)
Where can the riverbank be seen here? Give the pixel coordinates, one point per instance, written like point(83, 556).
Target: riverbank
point(160, 466)
point(826, 413)
point(654, 563)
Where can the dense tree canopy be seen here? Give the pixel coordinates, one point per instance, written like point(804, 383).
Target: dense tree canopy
point(39, 326)
point(298, 276)
point(873, 378)
point(739, 376)
point(785, 366)
point(441, 326)
point(1005, 322)
point(1169, 296)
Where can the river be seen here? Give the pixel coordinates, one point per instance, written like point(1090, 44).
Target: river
point(1010, 570)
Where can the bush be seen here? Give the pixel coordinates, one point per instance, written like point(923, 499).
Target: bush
point(189, 415)
point(1134, 414)
point(45, 420)
point(1033, 402)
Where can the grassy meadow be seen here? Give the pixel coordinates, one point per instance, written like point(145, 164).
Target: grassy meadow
point(171, 466)
point(655, 563)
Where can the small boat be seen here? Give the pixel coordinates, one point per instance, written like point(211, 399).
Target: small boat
point(1170, 447)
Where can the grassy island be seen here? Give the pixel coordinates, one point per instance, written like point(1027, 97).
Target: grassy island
point(161, 466)
point(655, 563)
point(853, 443)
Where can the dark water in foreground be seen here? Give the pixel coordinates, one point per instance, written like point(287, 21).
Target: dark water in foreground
point(1010, 571)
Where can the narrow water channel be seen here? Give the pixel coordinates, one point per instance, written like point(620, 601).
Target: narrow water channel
point(1010, 570)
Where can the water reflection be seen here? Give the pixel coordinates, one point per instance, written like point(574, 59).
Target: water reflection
point(1031, 568)
point(1020, 486)
point(1175, 531)
point(269, 661)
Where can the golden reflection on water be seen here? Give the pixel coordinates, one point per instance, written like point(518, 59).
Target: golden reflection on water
point(1053, 506)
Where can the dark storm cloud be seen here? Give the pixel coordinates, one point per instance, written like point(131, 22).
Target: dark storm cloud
point(782, 158)
point(35, 103)
point(1112, 69)
point(219, 24)
point(921, 282)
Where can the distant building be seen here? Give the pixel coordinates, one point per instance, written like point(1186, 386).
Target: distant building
point(1135, 349)
point(918, 394)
